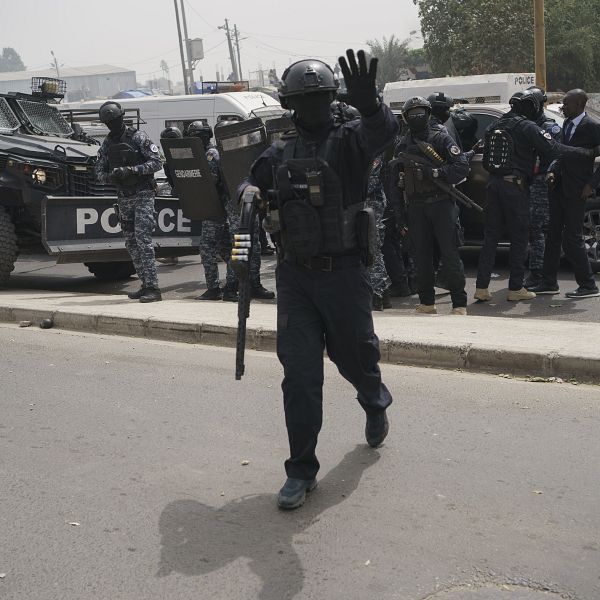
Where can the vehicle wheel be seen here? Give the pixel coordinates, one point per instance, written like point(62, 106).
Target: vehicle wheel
point(591, 233)
point(8, 246)
point(111, 271)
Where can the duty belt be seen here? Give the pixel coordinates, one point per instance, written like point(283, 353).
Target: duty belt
point(328, 263)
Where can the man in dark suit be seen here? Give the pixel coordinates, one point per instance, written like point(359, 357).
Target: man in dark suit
point(570, 179)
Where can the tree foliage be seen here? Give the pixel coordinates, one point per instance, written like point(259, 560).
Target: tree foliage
point(394, 55)
point(470, 37)
point(10, 61)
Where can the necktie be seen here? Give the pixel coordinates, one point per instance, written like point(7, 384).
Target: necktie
point(568, 131)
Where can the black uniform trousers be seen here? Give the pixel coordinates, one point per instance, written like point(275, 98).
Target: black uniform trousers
point(507, 209)
point(318, 310)
point(428, 223)
point(394, 254)
point(566, 228)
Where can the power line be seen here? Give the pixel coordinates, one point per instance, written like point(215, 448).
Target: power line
point(285, 37)
point(214, 27)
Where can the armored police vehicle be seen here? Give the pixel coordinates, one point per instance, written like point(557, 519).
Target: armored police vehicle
point(49, 195)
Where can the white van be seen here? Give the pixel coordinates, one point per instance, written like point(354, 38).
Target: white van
point(498, 87)
point(158, 112)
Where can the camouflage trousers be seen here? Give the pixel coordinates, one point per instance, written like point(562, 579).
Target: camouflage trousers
point(539, 219)
point(217, 240)
point(136, 216)
point(377, 273)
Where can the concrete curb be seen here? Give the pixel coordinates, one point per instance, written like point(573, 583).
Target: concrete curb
point(476, 357)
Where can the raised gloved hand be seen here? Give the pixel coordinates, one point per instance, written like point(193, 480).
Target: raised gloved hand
point(360, 81)
point(120, 173)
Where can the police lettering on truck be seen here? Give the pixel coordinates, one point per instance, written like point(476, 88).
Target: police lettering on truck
point(90, 220)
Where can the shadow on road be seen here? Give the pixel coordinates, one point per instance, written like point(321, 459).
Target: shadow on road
point(198, 539)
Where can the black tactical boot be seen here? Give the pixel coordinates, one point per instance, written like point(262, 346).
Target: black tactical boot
point(211, 294)
point(230, 294)
point(399, 289)
point(137, 295)
point(151, 295)
point(535, 278)
point(377, 302)
point(376, 429)
point(386, 300)
point(261, 293)
point(293, 493)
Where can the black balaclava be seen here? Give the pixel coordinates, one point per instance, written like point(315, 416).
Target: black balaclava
point(417, 120)
point(312, 113)
point(442, 113)
point(116, 127)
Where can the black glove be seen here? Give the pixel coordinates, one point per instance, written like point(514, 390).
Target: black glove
point(120, 173)
point(360, 81)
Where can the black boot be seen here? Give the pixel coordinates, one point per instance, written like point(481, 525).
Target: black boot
point(386, 300)
point(535, 278)
point(293, 493)
point(261, 293)
point(399, 289)
point(376, 429)
point(230, 294)
point(211, 294)
point(137, 295)
point(377, 302)
point(151, 295)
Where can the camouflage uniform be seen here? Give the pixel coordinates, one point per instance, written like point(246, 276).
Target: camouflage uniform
point(216, 238)
point(136, 205)
point(377, 201)
point(539, 211)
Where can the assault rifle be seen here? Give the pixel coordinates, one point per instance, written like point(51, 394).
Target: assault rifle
point(434, 161)
point(241, 255)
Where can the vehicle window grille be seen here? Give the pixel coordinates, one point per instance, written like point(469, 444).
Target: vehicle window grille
point(84, 183)
point(45, 118)
point(8, 120)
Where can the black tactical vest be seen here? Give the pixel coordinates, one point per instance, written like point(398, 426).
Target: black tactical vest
point(124, 153)
point(499, 147)
point(315, 220)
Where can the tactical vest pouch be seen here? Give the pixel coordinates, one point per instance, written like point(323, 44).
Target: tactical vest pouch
point(123, 155)
point(302, 229)
point(499, 148)
point(366, 233)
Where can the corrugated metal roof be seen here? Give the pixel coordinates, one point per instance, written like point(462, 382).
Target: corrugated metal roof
point(65, 72)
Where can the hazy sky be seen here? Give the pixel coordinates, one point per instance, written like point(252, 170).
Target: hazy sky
point(140, 33)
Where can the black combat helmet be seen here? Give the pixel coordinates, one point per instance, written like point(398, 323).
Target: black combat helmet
point(307, 77)
point(515, 98)
point(539, 92)
point(416, 102)
point(110, 111)
point(526, 103)
point(199, 129)
point(440, 99)
point(170, 133)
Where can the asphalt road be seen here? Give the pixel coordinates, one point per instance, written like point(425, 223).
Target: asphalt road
point(186, 280)
point(123, 476)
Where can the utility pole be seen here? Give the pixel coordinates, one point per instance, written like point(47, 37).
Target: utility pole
point(185, 80)
point(188, 50)
point(237, 45)
point(540, 44)
point(55, 62)
point(231, 53)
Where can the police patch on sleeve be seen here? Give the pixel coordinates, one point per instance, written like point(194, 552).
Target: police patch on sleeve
point(455, 150)
point(547, 136)
point(154, 148)
point(555, 129)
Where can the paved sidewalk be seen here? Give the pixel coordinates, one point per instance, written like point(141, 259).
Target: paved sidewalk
point(534, 347)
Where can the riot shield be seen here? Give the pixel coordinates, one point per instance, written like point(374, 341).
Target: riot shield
point(239, 145)
point(194, 184)
point(275, 128)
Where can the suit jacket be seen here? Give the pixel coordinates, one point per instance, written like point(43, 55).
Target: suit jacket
point(573, 173)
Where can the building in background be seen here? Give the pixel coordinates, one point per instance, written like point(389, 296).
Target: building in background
point(83, 83)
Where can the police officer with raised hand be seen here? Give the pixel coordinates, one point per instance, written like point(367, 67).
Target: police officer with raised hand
point(324, 296)
point(539, 210)
point(432, 213)
point(511, 146)
point(129, 159)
